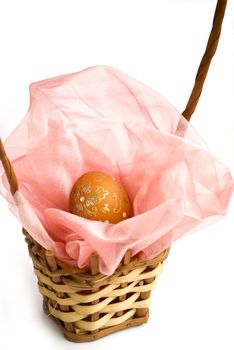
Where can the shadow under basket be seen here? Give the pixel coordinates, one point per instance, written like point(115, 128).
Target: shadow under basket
point(88, 305)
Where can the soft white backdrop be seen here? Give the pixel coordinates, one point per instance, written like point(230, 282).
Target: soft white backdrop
point(160, 43)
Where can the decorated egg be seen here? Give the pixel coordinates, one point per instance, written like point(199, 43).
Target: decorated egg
point(99, 196)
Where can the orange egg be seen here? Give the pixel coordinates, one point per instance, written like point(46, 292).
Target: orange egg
point(98, 196)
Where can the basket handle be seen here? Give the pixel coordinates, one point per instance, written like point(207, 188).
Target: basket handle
point(192, 102)
point(11, 177)
point(206, 59)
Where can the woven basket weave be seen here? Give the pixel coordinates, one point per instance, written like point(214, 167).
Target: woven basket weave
point(86, 304)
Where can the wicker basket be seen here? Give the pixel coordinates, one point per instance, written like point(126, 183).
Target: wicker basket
point(86, 304)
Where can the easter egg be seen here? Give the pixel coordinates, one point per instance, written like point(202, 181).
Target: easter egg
point(99, 196)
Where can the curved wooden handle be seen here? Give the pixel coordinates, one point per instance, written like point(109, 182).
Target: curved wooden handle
point(8, 169)
point(206, 59)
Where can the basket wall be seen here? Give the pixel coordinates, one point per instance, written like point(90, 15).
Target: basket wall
point(88, 305)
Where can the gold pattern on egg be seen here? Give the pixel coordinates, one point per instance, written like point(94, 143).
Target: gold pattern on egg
point(84, 207)
point(118, 206)
point(101, 193)
point(104, 200)
point(92, 211)
point(89, 202)
point(105, 208)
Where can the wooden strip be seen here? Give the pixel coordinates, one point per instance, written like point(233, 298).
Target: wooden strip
point(94, 263)
point(60, 288)
point(126, 261)
point(145, 288)
point(93, 309)
point(121, 291)
point(105, 292)
point(117, 320)
point(66, 317)
point(146, 295)
point(105, 331)
point(106, 306)
point(49, 293)
point(122, 305)
point(53, 267)
point(94, 326)
point(134, 275)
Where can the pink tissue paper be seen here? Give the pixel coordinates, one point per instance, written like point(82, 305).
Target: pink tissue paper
point(102, 119)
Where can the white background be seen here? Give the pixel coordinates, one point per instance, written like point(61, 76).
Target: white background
point(160, 43)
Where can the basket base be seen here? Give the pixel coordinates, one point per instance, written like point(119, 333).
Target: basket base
point(100, 333)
